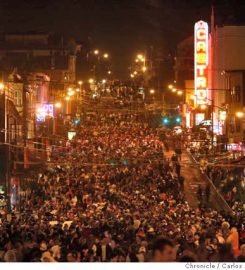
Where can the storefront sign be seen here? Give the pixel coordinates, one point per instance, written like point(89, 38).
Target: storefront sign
point(45, 110)
point(71, 134)
point(201, 62)
point(234, 147)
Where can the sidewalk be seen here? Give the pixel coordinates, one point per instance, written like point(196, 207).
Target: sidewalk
point(193, 177)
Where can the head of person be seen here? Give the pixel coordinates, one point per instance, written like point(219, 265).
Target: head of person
point(242, 250)
point(163, 251)
point(71, 257)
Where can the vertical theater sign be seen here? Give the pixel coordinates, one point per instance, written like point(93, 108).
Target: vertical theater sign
point(201, 62)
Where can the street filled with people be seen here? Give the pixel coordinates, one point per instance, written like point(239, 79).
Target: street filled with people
point(111, 195)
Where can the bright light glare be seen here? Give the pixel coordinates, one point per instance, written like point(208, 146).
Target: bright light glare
point(71, 93)
point(140, 56)
point(239, 114)
point(58, 105)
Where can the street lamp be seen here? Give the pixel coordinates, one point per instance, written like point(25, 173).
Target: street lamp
point(104, 81)
point(96, 52)
point(152, 91)
point(144, 69)
point(140, 56)
point(80, 83)
point(91, 80)
point(170, 86)
point(135, 72)
point(67, 98)
point(239, 114)
point(58, 105)
point(109, 72)
point(105, 55)
point(180, 92)
point(174, 90)
point(132, 75)
point(71, 93)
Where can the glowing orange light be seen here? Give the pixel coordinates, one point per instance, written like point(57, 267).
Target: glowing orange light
point(201, 62)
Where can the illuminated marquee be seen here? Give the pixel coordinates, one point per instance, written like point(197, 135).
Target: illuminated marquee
point(201, 62)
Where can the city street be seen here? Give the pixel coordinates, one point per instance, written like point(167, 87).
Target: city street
point(122, 133)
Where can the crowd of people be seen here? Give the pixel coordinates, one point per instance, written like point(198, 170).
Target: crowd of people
point(112, 196)
point(231, 183)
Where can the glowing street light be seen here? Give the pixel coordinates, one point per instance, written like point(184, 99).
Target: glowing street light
point(106, 55)
point(67, 98)
point(91, 81)
point(109, 72)
point(144, 69)
point(96, 52)
point(239, 114)
point(104, 81)
point(132, 75)
point(77, 90)
point(135, 72)
point(152, 91)
point(1, 86)
point(71, 93)
point(140, 56)
point(170, 86)
point(80, 82)
point(174, 90)
point(179, 92)
point(58, 105)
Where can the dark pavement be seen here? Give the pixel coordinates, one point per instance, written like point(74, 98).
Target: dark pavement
point(193, 178)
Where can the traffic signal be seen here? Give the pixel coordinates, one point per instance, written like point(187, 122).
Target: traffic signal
point(165, 120)
point(76, 121)
point(178, 119)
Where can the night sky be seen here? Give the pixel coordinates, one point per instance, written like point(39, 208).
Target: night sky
point(121, 27)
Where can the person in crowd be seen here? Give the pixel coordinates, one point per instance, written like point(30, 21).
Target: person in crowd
point(163, 251)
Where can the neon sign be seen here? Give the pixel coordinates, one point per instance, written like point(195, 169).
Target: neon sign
point(201, 62)
point(43, 111)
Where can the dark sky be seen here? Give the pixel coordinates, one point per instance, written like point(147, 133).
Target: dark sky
point(122, 27)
